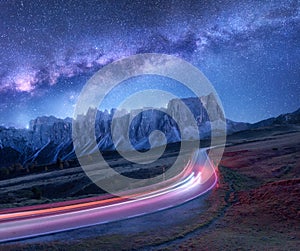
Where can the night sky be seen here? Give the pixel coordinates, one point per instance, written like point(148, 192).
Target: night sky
point(249, 50)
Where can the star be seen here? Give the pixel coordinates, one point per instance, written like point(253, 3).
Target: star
point(248, 50)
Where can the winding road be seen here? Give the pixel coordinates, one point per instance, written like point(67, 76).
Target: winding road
point(197, 178)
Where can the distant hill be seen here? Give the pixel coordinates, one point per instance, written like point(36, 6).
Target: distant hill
point(283, 119)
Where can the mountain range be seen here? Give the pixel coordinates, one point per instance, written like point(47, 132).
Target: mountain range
point(49, 138)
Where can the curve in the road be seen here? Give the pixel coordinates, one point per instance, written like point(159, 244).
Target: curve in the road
point(198, 177)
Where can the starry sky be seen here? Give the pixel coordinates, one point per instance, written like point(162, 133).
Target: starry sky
point(249, 50)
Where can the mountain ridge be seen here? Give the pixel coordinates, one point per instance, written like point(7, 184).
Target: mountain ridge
point(49, 138)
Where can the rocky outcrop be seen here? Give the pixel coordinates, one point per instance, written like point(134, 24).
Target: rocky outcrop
point(49, 138)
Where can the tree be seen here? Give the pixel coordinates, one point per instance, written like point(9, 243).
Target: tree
point(66, 164)
point(59, 163)
point(37, 194)
point(4, 172)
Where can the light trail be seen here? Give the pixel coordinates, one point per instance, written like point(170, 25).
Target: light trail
point(197, 178)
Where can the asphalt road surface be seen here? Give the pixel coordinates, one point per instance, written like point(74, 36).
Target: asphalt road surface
point(197, 178)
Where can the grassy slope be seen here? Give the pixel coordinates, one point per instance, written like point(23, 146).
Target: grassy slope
point(254, 206)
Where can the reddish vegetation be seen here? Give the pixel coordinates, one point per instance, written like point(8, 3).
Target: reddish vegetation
point(280, 199)
point(273, 163)
point(263, 205)
point(255, 205)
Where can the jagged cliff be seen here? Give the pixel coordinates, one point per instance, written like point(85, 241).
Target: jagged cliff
point(49, 138)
